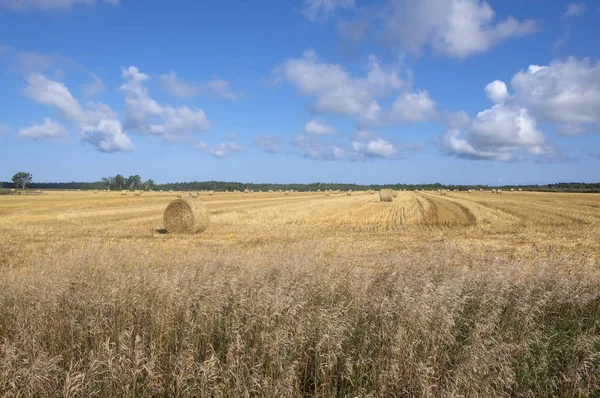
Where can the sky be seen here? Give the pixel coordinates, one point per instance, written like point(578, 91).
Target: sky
point(349, 91)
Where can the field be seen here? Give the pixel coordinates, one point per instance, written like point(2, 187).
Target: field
point(467, 294)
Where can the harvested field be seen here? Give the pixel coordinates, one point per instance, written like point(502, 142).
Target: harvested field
point(302, 294)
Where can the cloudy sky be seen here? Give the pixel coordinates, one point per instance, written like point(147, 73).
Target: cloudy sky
point(451, 91)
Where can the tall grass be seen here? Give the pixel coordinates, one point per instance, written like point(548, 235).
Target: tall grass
point(290, 323)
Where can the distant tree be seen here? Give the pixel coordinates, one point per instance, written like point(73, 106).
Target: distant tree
point(21, 179)
point(108, 181)
point(149, 185)
point(133, 182)
point(119, 181)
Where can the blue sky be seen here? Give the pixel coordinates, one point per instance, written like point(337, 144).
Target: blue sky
point(450, 91)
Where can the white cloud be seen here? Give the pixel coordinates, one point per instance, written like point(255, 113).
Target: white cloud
point(221, 149)
point(316, 127)
point(48, 5)
point(565, 92)
point(454, 28)
point(412, 108)
point(497, 92)
point(97, 122)
point(497, 133)
point(378, 148)
point(324, 9)
point(47, 130)
point(55, 94)
point(574, 10)
point(145, 115)
point(92, 88)
point(182, 89)
point(269, 143)
point(335, 91)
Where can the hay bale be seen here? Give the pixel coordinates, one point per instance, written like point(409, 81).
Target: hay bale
point(123, 192)
point(470, 190)
point(386, 195)
point(395, 193)
point(286, 193)
point(211, 193)
point(349, 193)
point(180, 195)
point(138, 193)
point(520, 189)
point(183, 216)
point(512, 190)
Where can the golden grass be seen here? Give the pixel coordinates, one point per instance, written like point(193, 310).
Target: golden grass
point(468, 294)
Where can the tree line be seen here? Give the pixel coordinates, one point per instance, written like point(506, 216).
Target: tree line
point(135, 182)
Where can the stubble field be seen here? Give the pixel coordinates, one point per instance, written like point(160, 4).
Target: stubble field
point(467, 294)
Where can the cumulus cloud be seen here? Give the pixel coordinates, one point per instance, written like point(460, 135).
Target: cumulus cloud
point(412, 108)
point(48, 5)
point(454, 28)
point(363, 146)
point(182, 89)
point(92, 88)
point(221, 149)
point(497, 92)
point(335, 91)
point(565, 91)
point(375, 148)
point(96, 121)
point(324, 9)
point(495, 134)
point(146, 116)
point(47, 130)
point(316, 127)
point(269, 143)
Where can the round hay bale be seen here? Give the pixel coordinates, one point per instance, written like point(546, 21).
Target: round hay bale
point(183, 216)
point(349, 193)
point(180, 195)
point(386, 195)
point(520, 189)
point(286, 193)
point(138, 194)
point(211, 193)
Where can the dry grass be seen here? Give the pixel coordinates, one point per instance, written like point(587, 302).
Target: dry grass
point(301, 295)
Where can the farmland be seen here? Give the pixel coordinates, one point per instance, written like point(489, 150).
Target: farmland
point(301, 295)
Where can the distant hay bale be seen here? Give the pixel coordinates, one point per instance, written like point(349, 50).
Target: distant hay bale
point(327, 193)
point(318, 190)
point(211, 193)
point(499, 191)
point(386, 195)
point(286, 193)
point(512, 190)
point(183, 216)
point(180, 195)
point(139, 193)
point(124, 192)
point(96, 191)
point(349, 193)
point(470, 190)
point(520, 189)
point(480, 189)
point(395, 193)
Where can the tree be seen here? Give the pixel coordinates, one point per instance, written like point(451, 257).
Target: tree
point(119, 181)
point(149, 185)
point(109, 182)
point(134, 181)
point(21, 179)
